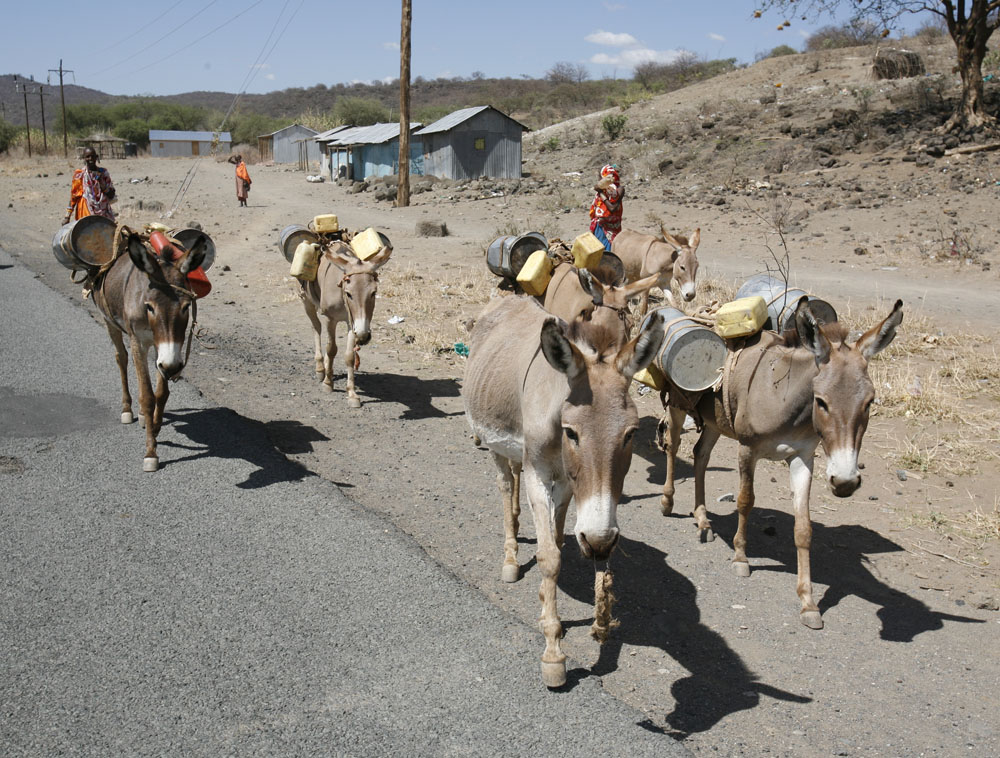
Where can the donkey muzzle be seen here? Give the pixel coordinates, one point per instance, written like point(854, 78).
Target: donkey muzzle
point(598, 547)
point(169, 358)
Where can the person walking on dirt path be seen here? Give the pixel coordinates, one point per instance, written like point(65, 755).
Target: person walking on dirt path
point(606, 210)
point(91, 191)
point(242, 179)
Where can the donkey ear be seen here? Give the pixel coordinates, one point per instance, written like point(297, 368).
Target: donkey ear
point(142, 257)
point(638, 353)
point(380, 258)
point(643, 285)
point(195, 256)
point(695, 239)
point(810, 334)
point(341, 255)
point(593, 288)
point(877, 339)
point(671, 240)
point(561, 354)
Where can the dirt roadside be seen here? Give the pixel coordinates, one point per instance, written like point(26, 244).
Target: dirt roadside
point(721, 662)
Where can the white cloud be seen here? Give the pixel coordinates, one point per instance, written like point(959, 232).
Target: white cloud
point(614, 7)
point(611, 39)
point(390, 45)
point(270, 77)
point(716, 37)
point(636, 56)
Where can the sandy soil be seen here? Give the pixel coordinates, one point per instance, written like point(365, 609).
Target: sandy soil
point(906, 570)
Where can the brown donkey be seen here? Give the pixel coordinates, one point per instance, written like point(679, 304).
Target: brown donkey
point(781, 396)
point(671, 257)
point(551, 399)
point(148, 299)
point(344, 290)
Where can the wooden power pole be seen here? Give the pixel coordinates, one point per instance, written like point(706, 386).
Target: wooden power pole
point(62, 97)
point(27, 126)
point(403, 190)
point(41, 102)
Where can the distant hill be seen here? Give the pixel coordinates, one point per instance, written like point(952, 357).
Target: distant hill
point(13, 99)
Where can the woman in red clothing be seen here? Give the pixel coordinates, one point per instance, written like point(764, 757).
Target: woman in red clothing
point(242, 179)
point(606, 210)
point(91, 191)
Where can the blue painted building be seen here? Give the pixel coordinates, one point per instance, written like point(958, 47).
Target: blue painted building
point(362, 151)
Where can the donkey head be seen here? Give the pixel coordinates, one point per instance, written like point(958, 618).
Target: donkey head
point(842, 390)
point(609, 301)
point(359, 284)
point(167, 298)
point(598, 419)
point(685, 262)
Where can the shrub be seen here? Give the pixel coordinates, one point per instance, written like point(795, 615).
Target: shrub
point(7, 134)
point(781, 50)
point(614, 125)
point(848, 35)
point(360, 111)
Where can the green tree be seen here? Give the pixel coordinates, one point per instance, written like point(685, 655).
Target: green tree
point(7, 134)
point(360, 111)
point(970, 25)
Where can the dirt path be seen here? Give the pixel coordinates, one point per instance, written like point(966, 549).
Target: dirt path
point(903, 666)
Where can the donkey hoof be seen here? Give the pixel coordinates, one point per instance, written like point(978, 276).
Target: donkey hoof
point(705, 534)
point(742, 568)
point(142, 421)
point(327, 387)
point(354, 402)
point(150, 464)
point(812, 619)
point(510, 572)
point(554, 674)
point(127, 417)
point(666, 505)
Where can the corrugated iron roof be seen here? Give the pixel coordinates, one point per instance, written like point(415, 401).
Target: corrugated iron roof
point(290, 126)
point(323, 136)
point(455, 118)
point(375, 134)
point(166, 135)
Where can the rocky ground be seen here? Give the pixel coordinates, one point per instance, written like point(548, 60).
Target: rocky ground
point(843, 173)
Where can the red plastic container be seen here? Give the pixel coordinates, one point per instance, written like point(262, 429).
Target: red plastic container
point(198, 282)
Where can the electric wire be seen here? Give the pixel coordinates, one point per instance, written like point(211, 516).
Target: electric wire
point(142, 28)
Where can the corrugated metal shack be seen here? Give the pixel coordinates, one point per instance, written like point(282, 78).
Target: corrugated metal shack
point(361, 151)
point(473, 143)
point(164, 143)
point(282, 146)
point(323, 141)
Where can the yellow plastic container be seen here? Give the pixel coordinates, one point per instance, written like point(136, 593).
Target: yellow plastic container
point(741, 318)
point(305, 262)
point(535, 274)
point(587, 251)
point(326, 224)
point(365, 244)
point(651, 376)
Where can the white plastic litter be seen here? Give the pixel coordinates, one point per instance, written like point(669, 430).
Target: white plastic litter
point(315, 179)
point(396, 320)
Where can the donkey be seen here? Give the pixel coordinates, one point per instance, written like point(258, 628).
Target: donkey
point(594, 296)
point(147, 298)
point(671, 257)
point(566, 419)
point(344, 290)
point(781, 396)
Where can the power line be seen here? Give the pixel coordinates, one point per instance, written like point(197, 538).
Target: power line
point(141, 28)
point(147, 47)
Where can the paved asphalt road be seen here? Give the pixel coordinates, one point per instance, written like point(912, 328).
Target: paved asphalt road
point(233, 603)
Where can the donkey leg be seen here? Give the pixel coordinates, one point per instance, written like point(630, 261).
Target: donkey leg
point(800, 471)
point(702, 453)
point(147, 403)
point(549, 563)
point(330, 353)
point(352, 397)
point(507, 482)
point(317, 328)
point(744, 504)
point(674, 422)
point(121, 358)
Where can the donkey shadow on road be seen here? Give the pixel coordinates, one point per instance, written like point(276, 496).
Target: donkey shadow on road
point(222, 433)
point(416, 394)
point(838, 559)
point(660, 611)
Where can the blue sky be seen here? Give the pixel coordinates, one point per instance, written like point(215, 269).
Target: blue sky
point(130, 48)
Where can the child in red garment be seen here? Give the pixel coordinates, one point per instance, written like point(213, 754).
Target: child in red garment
point(606, 210)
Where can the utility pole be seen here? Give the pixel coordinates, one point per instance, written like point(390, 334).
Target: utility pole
point(62, 97)
point(403, 189)
point(27, 127)
point(41, 102)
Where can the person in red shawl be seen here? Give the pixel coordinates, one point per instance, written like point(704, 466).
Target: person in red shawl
point(606, 210)
point(91, 191)
point(242, 179)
